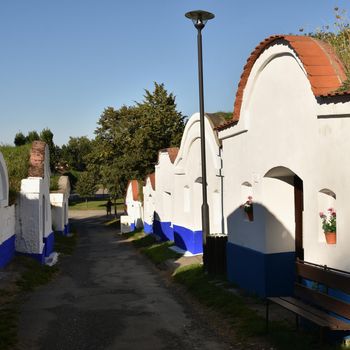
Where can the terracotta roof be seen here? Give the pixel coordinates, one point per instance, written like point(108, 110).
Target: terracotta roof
point(134, 189)
point(324, 69)
point(152, 178)
point(172, 153)
point(37, 159)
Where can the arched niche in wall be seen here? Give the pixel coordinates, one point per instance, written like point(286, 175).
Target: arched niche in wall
point(4, 187)
point(326, 199)
point(246, 196)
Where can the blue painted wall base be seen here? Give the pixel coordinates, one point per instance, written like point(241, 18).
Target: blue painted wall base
point(49, 244)
point(261, 274)
point(7, 251)
point(163, 230)
point(147, 228)
point(188, 240)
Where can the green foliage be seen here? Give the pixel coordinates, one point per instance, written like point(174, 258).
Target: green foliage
point(338, 36)
point(73, 176)
point(32, 136)
point(65, 244)
point(94, 205)
point(54, 182)
point(76, 151)
point(46, 136)
point(226, 115)
point(17, 160)
point(246, 321)
point(160, 252)
point(35, 274)
point(20, 139)
point(128, 139)
point(86, 185)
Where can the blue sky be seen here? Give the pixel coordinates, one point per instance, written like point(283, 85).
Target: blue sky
point(63, 61)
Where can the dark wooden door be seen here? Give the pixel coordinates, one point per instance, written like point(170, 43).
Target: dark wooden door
point(298, 207)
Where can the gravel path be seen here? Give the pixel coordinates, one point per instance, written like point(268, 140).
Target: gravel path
point(108, 296)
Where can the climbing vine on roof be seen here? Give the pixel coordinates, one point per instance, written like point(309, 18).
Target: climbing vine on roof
point(338, 36)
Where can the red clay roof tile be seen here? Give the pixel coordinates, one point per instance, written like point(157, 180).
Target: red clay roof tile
point(324, 69)
point(152, 178)
point(172, 153)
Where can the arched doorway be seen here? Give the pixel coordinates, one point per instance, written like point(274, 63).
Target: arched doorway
point(292, 184)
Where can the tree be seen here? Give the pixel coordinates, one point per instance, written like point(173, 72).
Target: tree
point(76, 151)
point(46, 136)
point(86, 185)
point(20, 139)
point(32, 136)
point(130, 138)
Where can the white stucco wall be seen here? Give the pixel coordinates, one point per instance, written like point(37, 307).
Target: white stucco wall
point(148, 202)
point(7, 213)
point(59, 211)
point(134, 208)
point(59, 204)
point(281, 125)
point(164, 174)
point(188, 178)
point(33, 211)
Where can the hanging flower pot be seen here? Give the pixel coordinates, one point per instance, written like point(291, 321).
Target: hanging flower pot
point(248, 208)
point(331, 237)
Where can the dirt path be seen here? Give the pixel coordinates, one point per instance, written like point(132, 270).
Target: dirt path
point(109, 297)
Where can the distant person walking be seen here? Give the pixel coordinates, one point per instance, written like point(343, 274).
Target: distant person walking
point(109, 207)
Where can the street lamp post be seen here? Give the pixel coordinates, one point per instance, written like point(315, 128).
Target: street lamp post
point(199, 19)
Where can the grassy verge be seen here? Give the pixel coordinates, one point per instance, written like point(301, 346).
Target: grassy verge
point(157, 252)
point(30, 275)
point(95, 205)
point(245, 321)
point(65, 244)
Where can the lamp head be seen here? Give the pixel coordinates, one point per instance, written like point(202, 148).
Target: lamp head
point(199, 18)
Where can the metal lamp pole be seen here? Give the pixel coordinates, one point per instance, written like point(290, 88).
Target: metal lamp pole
point(199, 19)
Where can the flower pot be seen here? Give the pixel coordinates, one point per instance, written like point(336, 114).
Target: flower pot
point(331, 237)
point(250, 215)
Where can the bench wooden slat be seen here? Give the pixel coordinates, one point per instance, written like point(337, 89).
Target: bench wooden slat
point(337, 323)
point(299, 311)
point(331, 279)
point(323, 300)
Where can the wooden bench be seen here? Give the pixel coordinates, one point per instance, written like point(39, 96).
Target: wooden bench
point(313, 304)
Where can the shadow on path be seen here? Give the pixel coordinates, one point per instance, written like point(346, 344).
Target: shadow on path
point(108, 296)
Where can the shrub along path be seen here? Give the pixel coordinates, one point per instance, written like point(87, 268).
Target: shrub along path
point(109, 296)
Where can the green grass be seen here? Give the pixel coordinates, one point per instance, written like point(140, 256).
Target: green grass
point(65, 244)
point(31, 275)
point(160, 252)
point(95, 205)
point(157, 252)
point(8, 326)
point(246, 322)
point(34, 274)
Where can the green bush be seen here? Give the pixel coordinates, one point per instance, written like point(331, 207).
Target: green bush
point(17, 160)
